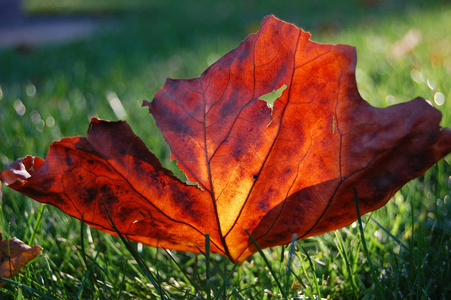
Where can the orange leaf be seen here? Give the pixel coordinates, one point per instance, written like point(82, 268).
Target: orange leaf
point(274, 171)
point(14, 255)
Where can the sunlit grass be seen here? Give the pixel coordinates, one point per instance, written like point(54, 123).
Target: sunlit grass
point(52, 92)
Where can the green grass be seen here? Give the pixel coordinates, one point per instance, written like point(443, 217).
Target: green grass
point(50, 7)
point(62, 87)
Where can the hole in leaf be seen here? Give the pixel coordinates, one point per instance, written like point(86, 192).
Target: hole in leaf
point(272, 96)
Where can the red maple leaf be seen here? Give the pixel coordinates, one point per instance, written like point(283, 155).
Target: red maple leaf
point(289, 169)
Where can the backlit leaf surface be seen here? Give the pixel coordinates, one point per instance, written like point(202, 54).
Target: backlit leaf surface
point(275, 171)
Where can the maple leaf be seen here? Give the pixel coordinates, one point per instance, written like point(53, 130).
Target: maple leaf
point(275, 170)
point(14, 255)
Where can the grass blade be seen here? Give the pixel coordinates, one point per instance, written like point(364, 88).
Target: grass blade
point(290, 263)
point(84, 255)
point(26, 287)
point(397, 241)
point(207, 264)
point(140, 262)
point(36, 225)
point(315, 279)
point(365, 248)
point(273, 274)
point(342, 250)
point(88, 274)
point(193, 283)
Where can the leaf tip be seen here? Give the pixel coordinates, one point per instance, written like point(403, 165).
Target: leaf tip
point(21, 169)
point(145, 103)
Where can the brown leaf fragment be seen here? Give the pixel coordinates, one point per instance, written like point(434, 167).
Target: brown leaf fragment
point(14, 255)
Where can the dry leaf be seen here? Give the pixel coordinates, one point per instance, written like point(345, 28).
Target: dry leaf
point(14, 255)
point(275, 171)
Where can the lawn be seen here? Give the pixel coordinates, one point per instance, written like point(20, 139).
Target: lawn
point(51, 92)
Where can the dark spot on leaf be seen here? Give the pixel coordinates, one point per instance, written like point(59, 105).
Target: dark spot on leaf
point(47, 183)
point(108, 195)
point(88, 194)
point(69, 161)
point(227, 108)
point(263, 205)
point(180, 127)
